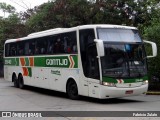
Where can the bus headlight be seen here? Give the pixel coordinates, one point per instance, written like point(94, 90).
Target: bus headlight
point(145, 82)
point(109, 84)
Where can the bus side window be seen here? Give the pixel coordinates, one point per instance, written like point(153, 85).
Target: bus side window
point(67, 44)
point(38, 46)
point(74, 42)
point(26, 48)
point(43, 50)
point(21, 48)
point(59, 46)
point(36, 50)
point(30, 52)
point(50, 49)
point(43, 47)
point(31, 47)
point(50, 46)
point(13, 51)
point(6, 50)
point(74, 48)
point(70, 42)
point(20, 52)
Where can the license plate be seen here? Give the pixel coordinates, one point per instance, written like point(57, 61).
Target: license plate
point(129, 92)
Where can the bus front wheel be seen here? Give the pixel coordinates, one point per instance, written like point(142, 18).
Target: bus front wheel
point(72, 90)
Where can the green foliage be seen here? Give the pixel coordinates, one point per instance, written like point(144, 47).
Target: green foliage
point(10, 28)
point(69, 13)
point(152, 33)
point(6, 8)
point(61, 13)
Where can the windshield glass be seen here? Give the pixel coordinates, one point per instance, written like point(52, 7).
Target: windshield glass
point(124, 60)
point(118, 35)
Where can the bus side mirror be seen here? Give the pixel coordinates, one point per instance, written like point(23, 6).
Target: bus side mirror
point(154, 48)
point(100, 47)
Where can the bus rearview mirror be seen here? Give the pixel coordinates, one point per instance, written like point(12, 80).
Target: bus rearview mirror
point(154, 48)
point(100, 47)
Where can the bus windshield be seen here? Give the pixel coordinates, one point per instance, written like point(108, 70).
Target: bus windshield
point(124, 61)
point(118, 35)
point(124, 53)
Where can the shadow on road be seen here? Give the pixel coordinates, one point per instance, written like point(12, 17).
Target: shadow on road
point(82, 98)
point(113, 100)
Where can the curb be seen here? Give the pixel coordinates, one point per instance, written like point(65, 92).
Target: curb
point(152, 93)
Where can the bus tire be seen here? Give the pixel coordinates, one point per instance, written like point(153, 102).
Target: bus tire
point(15, 81)
point(72, 90)
point(20, 81)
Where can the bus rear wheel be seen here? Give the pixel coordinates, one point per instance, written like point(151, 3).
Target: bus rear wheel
point(20, 81)
point(72, 90)
point(15, 81)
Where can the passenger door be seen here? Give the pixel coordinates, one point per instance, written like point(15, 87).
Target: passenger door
point(90, 78)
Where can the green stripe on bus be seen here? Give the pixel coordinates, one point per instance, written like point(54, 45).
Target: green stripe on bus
point(17, 61)
point(39, 61)
point(51, 61)
point(29, 71)
point(26, 61)
point(10, 61)
point(75, 58)
point(131, 80)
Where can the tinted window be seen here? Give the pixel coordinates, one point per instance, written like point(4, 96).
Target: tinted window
point(20, 48)
point(64, 43)
point(89, 54)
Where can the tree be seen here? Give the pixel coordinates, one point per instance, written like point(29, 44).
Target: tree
point(151, 33)
point(10, 28)
point(6, 8)
point(60, 13)
point(68, 13)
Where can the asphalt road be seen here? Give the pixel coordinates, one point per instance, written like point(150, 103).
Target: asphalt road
point(36, 99)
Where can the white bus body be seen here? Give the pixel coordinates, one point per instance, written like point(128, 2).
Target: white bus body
point(98, 61)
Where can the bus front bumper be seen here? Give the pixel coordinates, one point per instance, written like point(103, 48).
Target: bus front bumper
point(114, 92)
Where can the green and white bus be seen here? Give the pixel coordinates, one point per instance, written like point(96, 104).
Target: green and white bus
point(99, 61)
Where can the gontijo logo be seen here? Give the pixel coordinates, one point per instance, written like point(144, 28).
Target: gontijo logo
point(59, 62)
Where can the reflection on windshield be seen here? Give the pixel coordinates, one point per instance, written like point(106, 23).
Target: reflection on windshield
point(124, 60)
point(118, 35)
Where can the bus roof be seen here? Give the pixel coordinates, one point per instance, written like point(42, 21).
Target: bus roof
point(63, 30)
point(105, 26)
